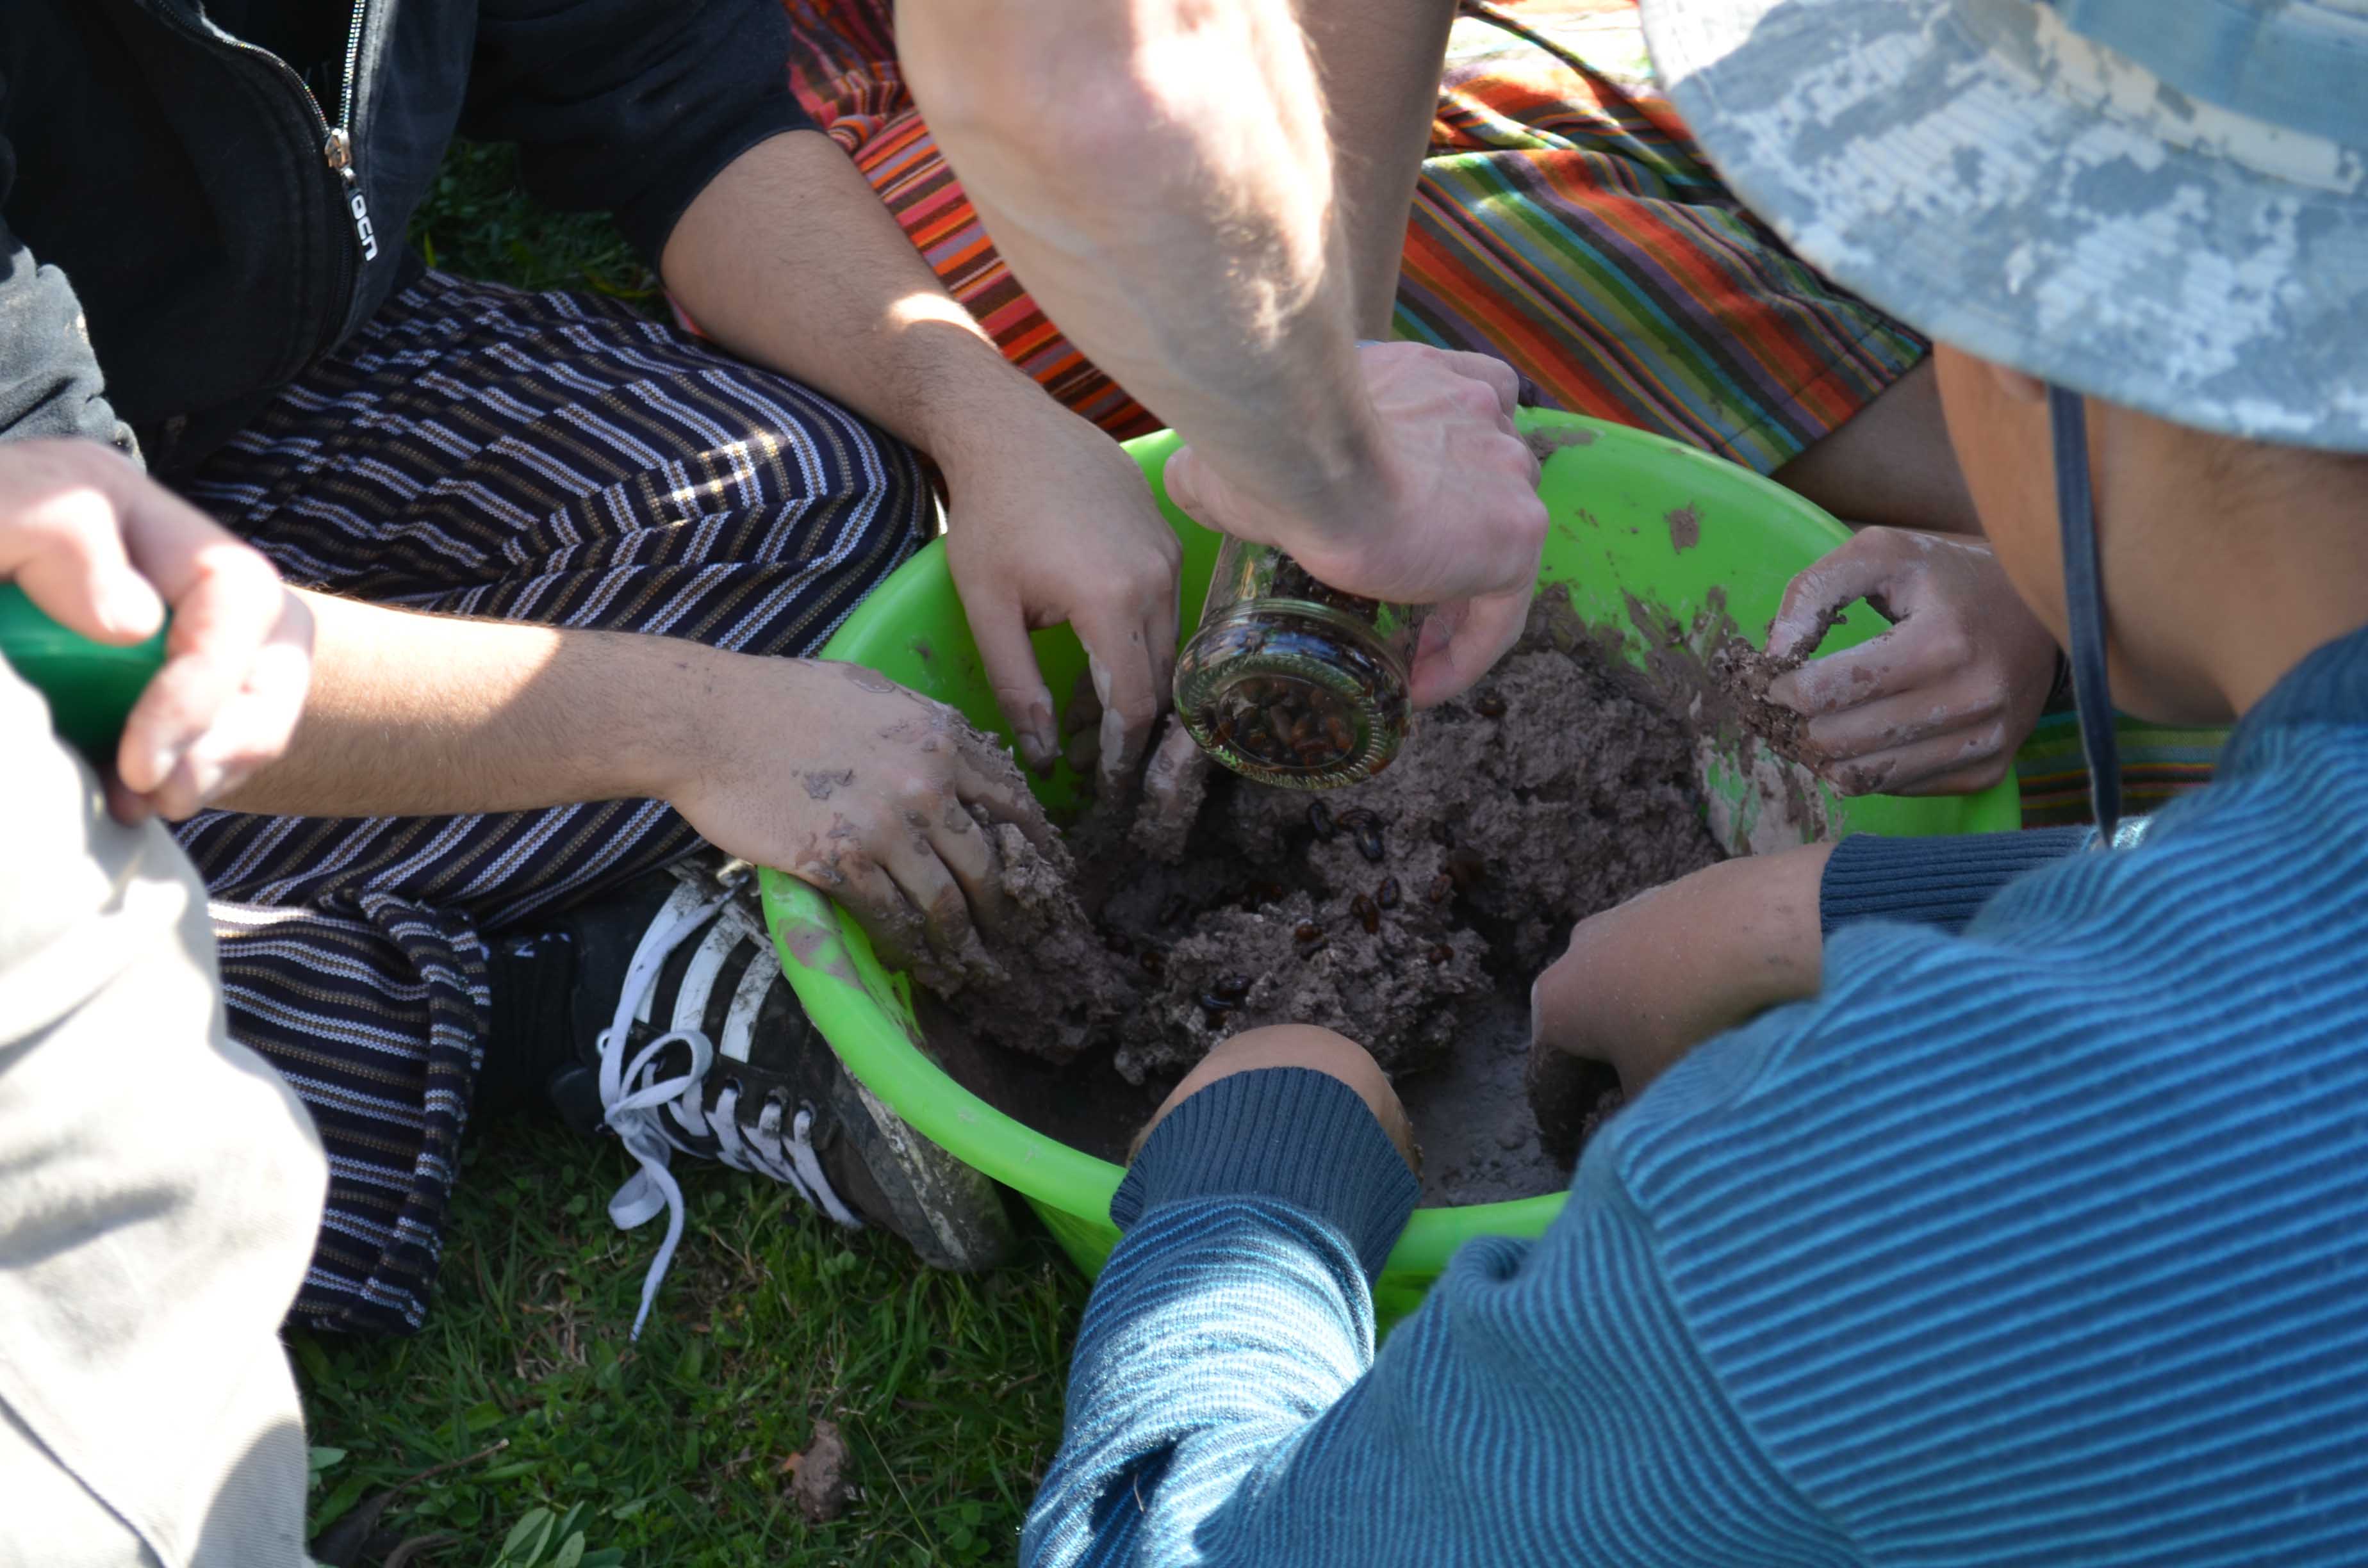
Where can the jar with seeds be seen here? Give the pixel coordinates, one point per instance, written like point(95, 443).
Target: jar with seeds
point(1290, 682)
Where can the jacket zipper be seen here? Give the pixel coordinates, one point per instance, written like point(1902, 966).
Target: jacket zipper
point(338, 140)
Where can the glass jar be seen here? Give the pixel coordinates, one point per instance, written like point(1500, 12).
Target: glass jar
point(1290, 682)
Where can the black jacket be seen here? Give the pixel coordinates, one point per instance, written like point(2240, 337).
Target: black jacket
point(171, 186)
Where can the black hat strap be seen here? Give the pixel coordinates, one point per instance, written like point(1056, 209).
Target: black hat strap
point(2084, 607)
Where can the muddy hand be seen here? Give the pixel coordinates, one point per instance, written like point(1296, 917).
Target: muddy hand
point(1646, 981)
point(1936, 705)
point(1173, 780)
point(1055, 524)
point(871, 792)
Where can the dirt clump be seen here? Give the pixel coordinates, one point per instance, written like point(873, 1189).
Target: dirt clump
point(1058, 987)
point(1409, 913)
point(1745, 672)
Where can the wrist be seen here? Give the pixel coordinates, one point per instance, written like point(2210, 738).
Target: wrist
point(683, 701)
point(962, 399)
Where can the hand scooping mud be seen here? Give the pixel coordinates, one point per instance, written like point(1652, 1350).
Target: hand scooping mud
point(1937, 704)
point(876, 794)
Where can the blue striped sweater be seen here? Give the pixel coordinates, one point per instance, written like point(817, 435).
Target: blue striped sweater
point(2046, 1243)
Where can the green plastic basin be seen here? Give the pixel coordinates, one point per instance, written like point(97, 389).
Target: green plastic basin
point(1611, 493)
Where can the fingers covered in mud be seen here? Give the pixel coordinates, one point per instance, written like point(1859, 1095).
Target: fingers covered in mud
point(1175, 782)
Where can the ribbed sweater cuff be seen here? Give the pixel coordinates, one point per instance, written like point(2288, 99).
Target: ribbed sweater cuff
point(1297, 1136)
point(1932, 882)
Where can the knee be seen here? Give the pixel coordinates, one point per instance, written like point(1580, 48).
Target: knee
point(1300, 1045)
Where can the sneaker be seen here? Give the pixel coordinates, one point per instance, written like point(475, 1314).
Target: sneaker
point(688, 1039)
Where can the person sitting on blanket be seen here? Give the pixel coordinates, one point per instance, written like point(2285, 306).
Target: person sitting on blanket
point(546, 549)
point(1564, 219)
point(2037, 1240)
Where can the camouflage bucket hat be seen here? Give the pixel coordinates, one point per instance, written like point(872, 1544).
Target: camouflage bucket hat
point(2162, 203)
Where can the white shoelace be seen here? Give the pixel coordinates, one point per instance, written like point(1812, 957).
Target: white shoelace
point(632, 1097)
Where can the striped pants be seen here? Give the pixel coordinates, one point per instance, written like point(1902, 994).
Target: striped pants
point(549, 458)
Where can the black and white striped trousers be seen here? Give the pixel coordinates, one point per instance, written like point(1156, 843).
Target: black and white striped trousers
point(532, 456)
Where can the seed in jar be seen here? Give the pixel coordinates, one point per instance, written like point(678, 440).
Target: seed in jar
point(1368, 913)
point(1386, 895)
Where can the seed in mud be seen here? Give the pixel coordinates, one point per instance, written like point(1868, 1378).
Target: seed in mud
point(1231, 988)
point(1216, 1009)
point(1155, 963)
point(1176, 907)
point(1468, 868)
point(1368, 913)
point(1370, 844)
point(1259, 894)
point(1442, 888)
point(1319, 817)
point(1490, 706)
point(1386, 895)
point(1442, 953)
point(1307, 931)
point(1116, 942)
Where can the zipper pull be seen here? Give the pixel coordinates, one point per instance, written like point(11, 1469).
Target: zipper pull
point(337, 151)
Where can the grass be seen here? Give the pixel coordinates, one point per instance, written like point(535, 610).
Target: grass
point(571, 1446)
point(477, 222)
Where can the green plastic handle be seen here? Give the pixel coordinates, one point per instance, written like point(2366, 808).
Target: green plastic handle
point(90, 686)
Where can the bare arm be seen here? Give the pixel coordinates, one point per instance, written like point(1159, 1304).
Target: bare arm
point(1160, 175)
point(827, 771)
point(1645, 983)
point(1378, 66)
point(788, 259)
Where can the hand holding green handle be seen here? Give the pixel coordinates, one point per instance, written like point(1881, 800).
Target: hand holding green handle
point(91, 687)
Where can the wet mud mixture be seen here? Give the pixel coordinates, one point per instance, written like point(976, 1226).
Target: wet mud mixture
point(1409, 913)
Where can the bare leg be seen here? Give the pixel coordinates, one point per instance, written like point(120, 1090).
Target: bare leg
point(1891, 464)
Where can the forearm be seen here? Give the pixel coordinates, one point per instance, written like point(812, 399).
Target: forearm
point(1161, 177)
point(1380, 68)
point(1222, 1410)
point(1237, 1310)
point(1645, 982)
point(425, 715)
point(790, 260)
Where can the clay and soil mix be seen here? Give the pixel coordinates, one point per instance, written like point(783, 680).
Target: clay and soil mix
point(1409, 913)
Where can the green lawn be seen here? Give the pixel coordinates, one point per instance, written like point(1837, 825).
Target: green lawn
point(671, 1451)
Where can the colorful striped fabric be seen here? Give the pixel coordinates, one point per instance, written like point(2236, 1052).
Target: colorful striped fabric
point(1564, 222)
point(2159, 764)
